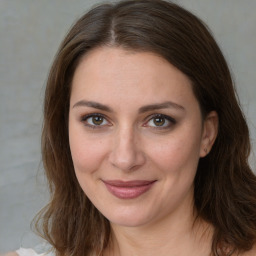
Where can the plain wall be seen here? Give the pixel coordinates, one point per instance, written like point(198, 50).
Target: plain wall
point(30, 33)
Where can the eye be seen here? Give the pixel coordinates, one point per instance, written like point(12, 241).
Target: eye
point(160, 121)
point(94, 120)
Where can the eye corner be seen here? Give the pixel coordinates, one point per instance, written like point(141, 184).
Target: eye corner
point(164, 121)
point(95, 121)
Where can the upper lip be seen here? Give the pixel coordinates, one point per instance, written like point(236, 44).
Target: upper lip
point(131, 183)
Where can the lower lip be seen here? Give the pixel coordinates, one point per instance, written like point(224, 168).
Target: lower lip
point(130, 192)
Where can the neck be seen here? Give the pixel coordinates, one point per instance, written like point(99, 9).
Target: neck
point(177, 235)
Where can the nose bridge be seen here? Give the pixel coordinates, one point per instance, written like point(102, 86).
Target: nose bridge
point(126, 154)
point(127, 143)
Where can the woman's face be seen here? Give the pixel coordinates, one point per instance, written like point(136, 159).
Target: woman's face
point(136, 135)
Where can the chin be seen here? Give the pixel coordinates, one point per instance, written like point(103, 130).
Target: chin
point(131, 219)
point(128, 222)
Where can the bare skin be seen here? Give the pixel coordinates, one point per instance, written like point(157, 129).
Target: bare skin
point(115, 134)
point(197, 241)
point(126, 147)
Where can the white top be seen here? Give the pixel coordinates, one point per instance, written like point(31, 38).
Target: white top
point(31, 252)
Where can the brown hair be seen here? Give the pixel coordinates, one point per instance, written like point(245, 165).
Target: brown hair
point(225, 186)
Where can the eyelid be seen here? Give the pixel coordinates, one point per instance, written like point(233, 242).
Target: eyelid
point(84, 118)
point(168, 118)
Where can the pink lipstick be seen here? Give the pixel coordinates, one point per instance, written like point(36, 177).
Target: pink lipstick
point(128, 189)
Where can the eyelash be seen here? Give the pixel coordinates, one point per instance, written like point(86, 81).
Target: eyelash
point(171, 121)
point(85, 118)
point(166, 118)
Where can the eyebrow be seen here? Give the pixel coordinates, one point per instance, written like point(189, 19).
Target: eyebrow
point(167, 104)
point(147, 108)
point(92, 104)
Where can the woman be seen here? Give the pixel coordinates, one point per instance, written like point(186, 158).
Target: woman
point(144, 144)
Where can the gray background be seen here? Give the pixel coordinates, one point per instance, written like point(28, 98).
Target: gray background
point(30, 32)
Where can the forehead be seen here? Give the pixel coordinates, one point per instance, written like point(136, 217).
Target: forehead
point(109, 73)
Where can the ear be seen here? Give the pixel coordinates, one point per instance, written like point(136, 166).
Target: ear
point(210, 131)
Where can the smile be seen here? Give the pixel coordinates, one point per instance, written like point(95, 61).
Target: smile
point(128, 189)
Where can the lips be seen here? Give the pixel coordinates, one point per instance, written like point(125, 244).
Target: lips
point(128, 189)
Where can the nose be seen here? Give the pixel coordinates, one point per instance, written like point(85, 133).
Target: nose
point(126, 154)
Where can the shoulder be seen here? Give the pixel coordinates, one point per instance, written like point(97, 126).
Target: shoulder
point(27, 252)
point(10, 254)
point(252, 252)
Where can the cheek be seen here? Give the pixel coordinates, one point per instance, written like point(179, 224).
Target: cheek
point(177, 153)
point(87, 152)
